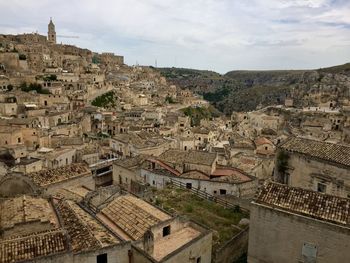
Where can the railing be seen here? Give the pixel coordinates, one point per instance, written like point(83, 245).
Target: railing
point(206, 196)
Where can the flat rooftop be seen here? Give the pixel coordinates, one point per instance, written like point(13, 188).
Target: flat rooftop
point(168, 244)
point(27, 209)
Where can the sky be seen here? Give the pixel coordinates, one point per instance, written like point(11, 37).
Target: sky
point(219, 35)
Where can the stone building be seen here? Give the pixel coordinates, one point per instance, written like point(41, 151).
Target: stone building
point(44, 230)
point(290, 224)
point(314, 165)
point(184, 161)
point(155, 235)
point(127, 170)
point(223, 181)
point(51, 33)
point(123, 229)
point(132, 144)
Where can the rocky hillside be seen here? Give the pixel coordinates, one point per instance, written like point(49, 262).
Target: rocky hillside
point(248, 90)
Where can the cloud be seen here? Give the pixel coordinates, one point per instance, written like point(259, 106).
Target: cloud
point(208, 34)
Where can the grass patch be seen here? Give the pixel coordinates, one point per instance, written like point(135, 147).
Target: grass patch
point(222, 221)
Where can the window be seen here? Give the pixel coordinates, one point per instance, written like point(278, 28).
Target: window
point(19, 140)
point(199, 260)
point(309, 253)
point(101, 258)
point(265, 148)
point(166, 231)
point(321, 187)
point(188, 185)
point(154, 182)
point(222, 191)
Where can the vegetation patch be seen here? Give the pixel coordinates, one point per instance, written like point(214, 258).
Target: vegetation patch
point(222, 221)
point(33, 87)
point(199, 113)
point(169, 100)
point(107, 100)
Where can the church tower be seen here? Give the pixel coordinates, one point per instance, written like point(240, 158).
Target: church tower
point(51, 34)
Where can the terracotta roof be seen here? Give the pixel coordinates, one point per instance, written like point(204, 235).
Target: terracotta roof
point(305, 202)
point(262, 141)
point(195, 174)
point(51, 176)
point(33, 246)
point(85, 232)
point(194, 157)
point(332, 152)
point(165, 166)
point(133, 216)
point(132, 162)
point(230, 174)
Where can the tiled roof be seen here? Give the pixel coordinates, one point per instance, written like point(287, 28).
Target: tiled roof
point(305, 202)
point(85, 232)
point(51, 176)
point(332, 152)
point(26, 209)
point(133, 216)
point(131, 162)
point(262, 141)
point(193, 157)
point(141, 140)
point(33, 246)
point(230, 175)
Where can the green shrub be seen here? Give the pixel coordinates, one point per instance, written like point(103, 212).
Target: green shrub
point(105, 100)
point(33, 86)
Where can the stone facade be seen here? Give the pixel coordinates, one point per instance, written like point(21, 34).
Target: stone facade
point(320, 237)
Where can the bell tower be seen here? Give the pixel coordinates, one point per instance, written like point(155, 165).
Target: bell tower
point(51, 33)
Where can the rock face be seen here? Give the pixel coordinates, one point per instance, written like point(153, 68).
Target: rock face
point(249, 90)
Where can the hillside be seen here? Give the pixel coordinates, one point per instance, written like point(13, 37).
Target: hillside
point(247, 90)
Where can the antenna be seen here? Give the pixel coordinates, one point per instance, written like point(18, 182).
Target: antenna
point(156, 64)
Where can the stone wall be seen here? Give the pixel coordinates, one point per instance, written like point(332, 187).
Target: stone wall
point(276, 236)
point(307, 172)
point(233, 249)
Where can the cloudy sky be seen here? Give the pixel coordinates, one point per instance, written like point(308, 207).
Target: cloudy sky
point(219, 35)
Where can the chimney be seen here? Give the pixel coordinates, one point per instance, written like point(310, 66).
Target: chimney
point(148, 242)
